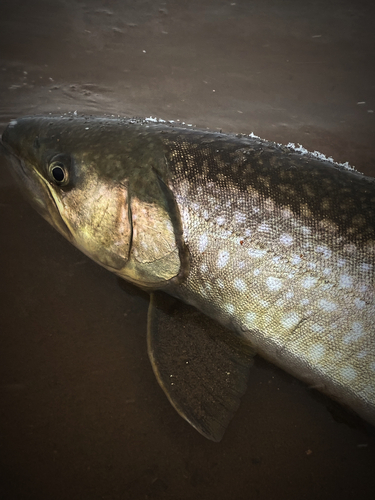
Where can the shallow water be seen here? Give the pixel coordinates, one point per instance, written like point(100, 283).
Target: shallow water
point(81, 414)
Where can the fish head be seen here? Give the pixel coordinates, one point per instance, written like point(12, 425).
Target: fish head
point(100, 187)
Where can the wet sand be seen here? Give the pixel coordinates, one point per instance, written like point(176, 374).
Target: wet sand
point(82, 416)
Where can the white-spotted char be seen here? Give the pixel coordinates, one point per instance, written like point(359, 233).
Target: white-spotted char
point(275, 244)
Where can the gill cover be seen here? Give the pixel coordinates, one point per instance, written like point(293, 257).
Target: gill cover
point(157, 252)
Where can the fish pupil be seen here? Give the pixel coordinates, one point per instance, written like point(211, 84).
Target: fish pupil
point(58, 173)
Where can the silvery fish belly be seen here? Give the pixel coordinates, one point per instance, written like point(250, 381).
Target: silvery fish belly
point(276, 245)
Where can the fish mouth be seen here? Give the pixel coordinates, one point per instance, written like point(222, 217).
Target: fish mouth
point(34, 187)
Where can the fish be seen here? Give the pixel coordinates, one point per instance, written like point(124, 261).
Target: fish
point(245, 246)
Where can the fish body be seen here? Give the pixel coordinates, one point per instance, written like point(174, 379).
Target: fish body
point(275, 245)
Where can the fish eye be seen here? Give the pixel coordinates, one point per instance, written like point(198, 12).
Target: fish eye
point(58, 173)
point(58, 170)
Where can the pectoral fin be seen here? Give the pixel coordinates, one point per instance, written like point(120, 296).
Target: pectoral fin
point(202, 367)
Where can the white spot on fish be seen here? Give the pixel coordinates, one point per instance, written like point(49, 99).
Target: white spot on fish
point(354, 334)
point(256, 272)
point(360, 304)
point(327, 271)
point(348, 373)
point(240, 217)
point(264, 228)
point(366, 267)
point(250, 318)
point(316, 328)
point(305, 230)
point(346, 281)
point(241, 264)
point(286, 239)
point(304, 302)
point(204, 268)
point(274, 284)
point(247, 232)
point(225, 234)
point(203, 242)
point(289, 295)
point(256, 252)
point(280, 302)
point(362, 354)
point(240, 285)
point(328, 286)
point(324, 250)
point(220, 220)
point(317, 352)
point(264, 303)
point(309, 282)
point(327, 305)
point(222, 259)
point(229, 308)
point(296, 259)
point(290, 320)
